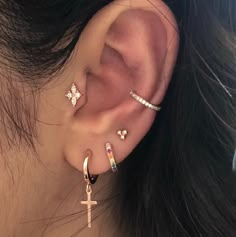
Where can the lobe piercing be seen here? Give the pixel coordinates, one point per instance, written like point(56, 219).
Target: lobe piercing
point(144, 102)
point(122, 134)
point(73, 95)
point(89, 180)
point(111, 157)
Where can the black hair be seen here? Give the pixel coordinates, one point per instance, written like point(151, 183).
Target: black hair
point(179, 180)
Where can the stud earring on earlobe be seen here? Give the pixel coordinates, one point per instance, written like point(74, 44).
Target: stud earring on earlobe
point(73, 95)
point(89, 179)
point(122, 134)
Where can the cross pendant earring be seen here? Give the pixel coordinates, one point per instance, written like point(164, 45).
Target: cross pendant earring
point(89, 179)
point(89, 204)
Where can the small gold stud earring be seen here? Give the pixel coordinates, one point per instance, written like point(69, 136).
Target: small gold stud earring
point(122, 134)
point(90, 180)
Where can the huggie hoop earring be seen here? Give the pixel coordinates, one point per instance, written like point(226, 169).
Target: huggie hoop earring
point(89, 181)
point(144, 102)
point(111, 157)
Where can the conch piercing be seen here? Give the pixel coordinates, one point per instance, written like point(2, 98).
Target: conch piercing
point(89, 179)
point(73, 95)
point(122, 134)
point(144, 102)
point(111, 157)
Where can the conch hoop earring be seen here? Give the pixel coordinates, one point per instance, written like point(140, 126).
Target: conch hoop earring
point(144, 102)
point(89, 179)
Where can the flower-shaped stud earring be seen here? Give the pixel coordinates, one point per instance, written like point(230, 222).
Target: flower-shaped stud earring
point(73, 95)
point(122, 134)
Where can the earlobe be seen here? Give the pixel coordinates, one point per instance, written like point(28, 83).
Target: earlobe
point(124, 88)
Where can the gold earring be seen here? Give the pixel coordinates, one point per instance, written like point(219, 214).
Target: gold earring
point(111, 157)
point(73, 95)
point(122, 134)
point(89, 179)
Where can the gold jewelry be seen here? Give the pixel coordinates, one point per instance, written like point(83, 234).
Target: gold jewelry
point(111, 157)
point(89, 181)
point(122, 134)
point(144, 102)
point(73, 95)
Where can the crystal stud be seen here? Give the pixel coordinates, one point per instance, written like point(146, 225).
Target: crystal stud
point(73, 95)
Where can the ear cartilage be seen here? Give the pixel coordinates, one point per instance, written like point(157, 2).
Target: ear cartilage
point(144, 102)
point(111, 157)
point(73, 95)
point(122, 134)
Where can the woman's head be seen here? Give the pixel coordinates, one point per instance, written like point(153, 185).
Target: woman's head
point(177, 180)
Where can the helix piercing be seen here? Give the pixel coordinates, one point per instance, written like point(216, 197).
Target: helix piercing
point(144, 102)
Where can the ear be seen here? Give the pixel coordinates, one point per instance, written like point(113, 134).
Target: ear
point(124, 48)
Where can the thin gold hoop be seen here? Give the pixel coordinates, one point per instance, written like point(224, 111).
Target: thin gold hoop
point(89, 179)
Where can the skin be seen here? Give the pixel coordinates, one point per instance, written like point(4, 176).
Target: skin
point(111, 58)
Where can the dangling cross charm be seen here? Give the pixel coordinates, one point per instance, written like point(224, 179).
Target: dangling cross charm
point(89, 204)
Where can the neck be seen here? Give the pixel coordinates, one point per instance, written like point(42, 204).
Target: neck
point(36, 200)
